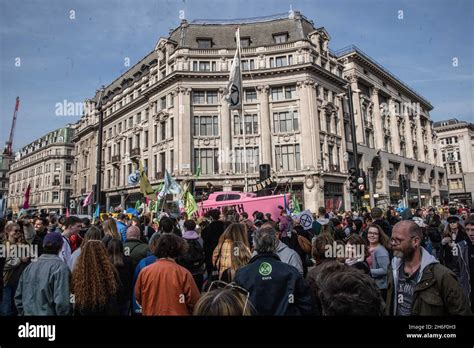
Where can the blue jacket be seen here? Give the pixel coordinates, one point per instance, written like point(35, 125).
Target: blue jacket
point(275, 288)
point(122, 228)
point(380, 262)
point(136, 310)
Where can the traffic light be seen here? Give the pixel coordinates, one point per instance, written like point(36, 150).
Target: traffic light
point(353, 181)
point(404, 184)
point(361, 183)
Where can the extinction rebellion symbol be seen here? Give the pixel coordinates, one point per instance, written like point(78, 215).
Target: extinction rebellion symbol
point(265, 269)
point(234, 95)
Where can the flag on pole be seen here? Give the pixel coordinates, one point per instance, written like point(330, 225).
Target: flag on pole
point(170, 186)
point(296, 205)
point(26, 202)
point(234, 87)
point(153, 206)
point(88, 199)
point(190, 205)
point(145, 186)
point(97, 212)
point(138, 205)
point(67, 212)
point(198, 172)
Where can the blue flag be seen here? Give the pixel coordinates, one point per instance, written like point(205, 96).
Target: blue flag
point(97, 212)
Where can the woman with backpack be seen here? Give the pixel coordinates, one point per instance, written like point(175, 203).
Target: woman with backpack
point(193, 258)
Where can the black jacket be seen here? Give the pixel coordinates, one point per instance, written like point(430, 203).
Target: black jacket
point(275, 288)
point(210, 237)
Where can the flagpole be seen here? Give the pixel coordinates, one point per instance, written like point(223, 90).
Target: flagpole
point(242, 113)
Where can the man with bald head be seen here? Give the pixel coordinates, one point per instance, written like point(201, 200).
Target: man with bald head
point(417, 283)
point(134, 247)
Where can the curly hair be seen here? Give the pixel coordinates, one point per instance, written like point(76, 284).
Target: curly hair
point(94, 279)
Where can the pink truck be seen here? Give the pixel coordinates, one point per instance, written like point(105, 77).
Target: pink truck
point(244, 202)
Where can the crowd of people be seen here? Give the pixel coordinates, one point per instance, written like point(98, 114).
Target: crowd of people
point(377, 262)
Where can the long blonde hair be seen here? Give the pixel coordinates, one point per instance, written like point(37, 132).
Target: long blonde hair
point(110, 228)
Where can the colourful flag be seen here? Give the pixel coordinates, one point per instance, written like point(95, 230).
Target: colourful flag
point(190, 205)
point(170, 186)
point(153, 206)
point(88, 199)
point(67, 212)
point(26, 202)
point(234, 86)
point(145, 186)
point(296, 205)
point(138, 205)
point(97, 212)
point(198, 172)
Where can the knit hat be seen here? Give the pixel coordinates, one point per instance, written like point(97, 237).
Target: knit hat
point(53, 238)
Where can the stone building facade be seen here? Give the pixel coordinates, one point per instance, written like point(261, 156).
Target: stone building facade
point(394, 134)
point(456, 142)
point(169, 112)
point(5, 162)
point(47, 165)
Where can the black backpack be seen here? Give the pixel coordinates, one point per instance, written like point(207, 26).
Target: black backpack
point(434, 234)
point(193, 260)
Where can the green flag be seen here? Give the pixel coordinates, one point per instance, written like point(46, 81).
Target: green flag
point(198, 172)
point(153, 206)
point(296, 205)
point(145, 186)
point(138, 205)
point(190, 205)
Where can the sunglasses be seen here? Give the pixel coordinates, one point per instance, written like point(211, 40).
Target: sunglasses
point(219, 284)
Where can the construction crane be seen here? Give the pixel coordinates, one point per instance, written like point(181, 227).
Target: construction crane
point(9, 144)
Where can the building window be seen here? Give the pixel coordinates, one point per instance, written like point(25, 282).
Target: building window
point(171, 160)
point(244, 42)
point(251, 124)
point(452, 168)
point(280, 38)
point(146, 139)
point(288, 157)
point(163, 103)
point(55, 196)
point(283, 93)
point(206, 160)
point(285, 121)
point(172, 127)
point(155, 133)
point(248, 64)
point(250, 95)
point(205, 97)
point(204, 66)
point(163, 130)
point(204, 43)
point(328, 123)
point(57, 167)
point(252, 160)
point(206, 126)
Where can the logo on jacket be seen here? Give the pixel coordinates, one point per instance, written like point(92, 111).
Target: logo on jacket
point(265, 268)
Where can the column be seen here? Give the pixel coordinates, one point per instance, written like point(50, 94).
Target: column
point(107, 203)
point(226, 135)
point(265, 124)
point(379, 135)
point(176, 117)
point(357, 109)
point(184, 131)
point(408, 137)
point(306, 138)
point(394, 133)
point(430, 144)
point(419, 136)
point(314, 121)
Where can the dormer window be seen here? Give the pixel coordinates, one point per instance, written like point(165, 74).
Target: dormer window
point(245, 42)
point(280, 38)
point(204, 43)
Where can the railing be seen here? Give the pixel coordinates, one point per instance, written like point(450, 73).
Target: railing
point(334, 167)
point(284, 15)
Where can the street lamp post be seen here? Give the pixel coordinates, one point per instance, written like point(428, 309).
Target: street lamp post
point(354, 139)
point(98, 187)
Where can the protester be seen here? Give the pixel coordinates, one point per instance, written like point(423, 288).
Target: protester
point(43, 288)
point(193, 259)
point(134, 247)
point(31, 238)
point(379, 256)
point(320, 221)
point(210, 236)
point(92, 234)
point(456, 251)
point(377, 216)
point(412, 268)
point(349, 291)
point(270, 282)
point(110, 231)
point(95, 283)
point(13, 267)
point(164, 287)
point(469, 226)
point(357, 253)
point(40, 225)
point(222, 255)
point(240, 256)
point(72, 227)
point(123, 265)
point(230, 300)
point(122, 226)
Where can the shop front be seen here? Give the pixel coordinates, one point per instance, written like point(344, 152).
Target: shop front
point(334, 196)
